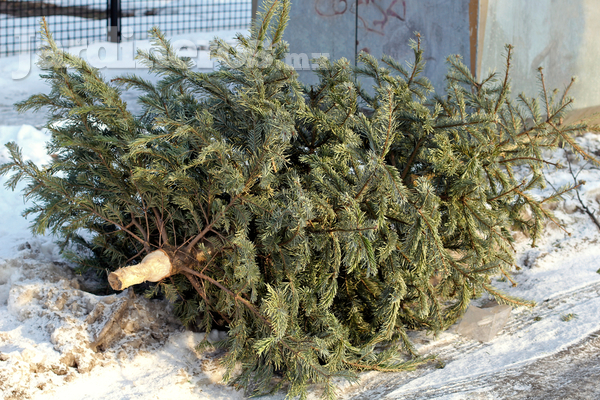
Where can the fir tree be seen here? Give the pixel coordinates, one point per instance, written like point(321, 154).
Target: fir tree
point(317, 224)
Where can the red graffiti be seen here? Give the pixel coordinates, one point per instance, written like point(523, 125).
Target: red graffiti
point(331, 8)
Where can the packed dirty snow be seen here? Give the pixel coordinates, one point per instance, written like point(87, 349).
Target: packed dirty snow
point(57, 339)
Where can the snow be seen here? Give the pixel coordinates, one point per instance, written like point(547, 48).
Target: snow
point(14, 229)
point(96, 28)
point(127, 4)
point(51, 318)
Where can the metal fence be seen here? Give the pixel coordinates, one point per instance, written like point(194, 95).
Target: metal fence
point(80, 22)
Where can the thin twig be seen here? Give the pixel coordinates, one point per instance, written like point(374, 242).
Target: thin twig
point(583, 206)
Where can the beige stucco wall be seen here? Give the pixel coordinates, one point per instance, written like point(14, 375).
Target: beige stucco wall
point(562, 36)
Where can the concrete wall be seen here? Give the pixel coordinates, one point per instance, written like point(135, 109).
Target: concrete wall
point(320, 26)
point(443, 26)
point(382, 27)
point(562, 36)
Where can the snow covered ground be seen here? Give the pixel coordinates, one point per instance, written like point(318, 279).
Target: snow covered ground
point(51, 319)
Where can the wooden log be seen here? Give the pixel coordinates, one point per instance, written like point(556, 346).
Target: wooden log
point(108, 333)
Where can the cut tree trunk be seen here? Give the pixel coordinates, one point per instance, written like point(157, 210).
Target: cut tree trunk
point(156, 266)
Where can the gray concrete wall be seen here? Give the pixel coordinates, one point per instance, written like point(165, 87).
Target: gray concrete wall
point(385, 27)
point(320, 26)
point(381, 27)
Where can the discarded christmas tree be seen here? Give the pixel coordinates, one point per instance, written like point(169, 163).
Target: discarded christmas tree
point(316, 224)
